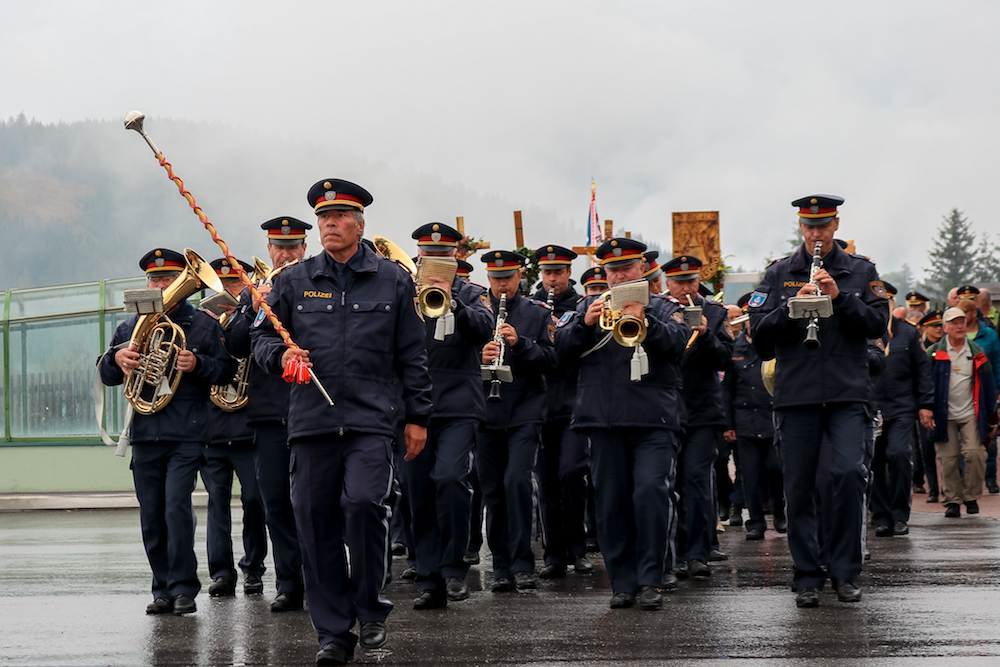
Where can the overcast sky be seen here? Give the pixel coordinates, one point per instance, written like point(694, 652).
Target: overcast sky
point(737, 106)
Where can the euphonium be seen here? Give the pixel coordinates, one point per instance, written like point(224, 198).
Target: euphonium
point(629, 330)
point(159, 340)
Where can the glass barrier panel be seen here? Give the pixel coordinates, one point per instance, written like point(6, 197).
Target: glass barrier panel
point(3, 415)
point(114, 401)
point(52, 366)
point(113, 290)
point(54, 300)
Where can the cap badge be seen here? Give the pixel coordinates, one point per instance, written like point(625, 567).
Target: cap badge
point(499, 263)
point(286, 230)
point(330, 195)
point(225, 269)
point(435, 236)
point(617, 252)
point(159, 261)
point(684, 266)
point(814, 209)
point(552, 256)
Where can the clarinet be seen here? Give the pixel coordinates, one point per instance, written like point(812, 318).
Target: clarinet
point(494, 396)
point(812, 330)
point(550, 300)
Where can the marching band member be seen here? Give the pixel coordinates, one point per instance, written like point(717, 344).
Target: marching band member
point(355, 315)
point(633, 425)
point(653, 272)
point(167, 445)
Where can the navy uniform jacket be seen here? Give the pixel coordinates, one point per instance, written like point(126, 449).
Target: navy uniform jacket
point(268, 394)
point(185, 417)
point(906, 384)
point(362, 341)
point(748, 405)
point(605, 395)
point(837, 371)
point(230, 429)
point(454, 362)
point(700, 368)
point(561, 382)
point(523, 400)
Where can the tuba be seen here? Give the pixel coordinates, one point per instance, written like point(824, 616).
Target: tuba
point(159, 340)
point(233, 396)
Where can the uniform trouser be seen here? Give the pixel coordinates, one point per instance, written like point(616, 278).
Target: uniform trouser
point(928, 455)
point(165, 475)
point(339, 487)
point(563, 461)
point(632, 469)
point(696, 509)
point(475, 510)
point(505, 460)
point(440, 496)
point(803, 432)
point(402, 519)
point(963, 439)
point(217, 475)
point(271, 460)
point(757, 455)
point(727, 490)
point(893, 470)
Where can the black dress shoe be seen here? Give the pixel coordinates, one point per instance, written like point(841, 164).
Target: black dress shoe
point(992, 486)
point(952, 511)
point(221, 588)
point(409, 574)
point(398, 549)
point(252, 585)
point(781, 524)
point(372, 634)
point(582, 565)
point(682, 571)
point(883, 531)
point(900, 528)
point(736, 515)
point(333, 654)
point(457, 590)
point(622, 600)
point(286, 602)
point(716, 555)
point(932, 498)
point(848, 592)
point(471, 558)
point(160, 606)
point(436, 599)
point(699, 570)
point(552, 571)
point(669, 581)
point(525, 581)
point(184, 605)
point(755, 534)
point(972, 507)
point(502, 585)
point(650, 599)
point(807, 597)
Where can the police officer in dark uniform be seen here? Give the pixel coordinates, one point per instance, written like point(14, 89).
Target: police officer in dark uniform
point(267, 416)
point(167, 445)
point(904, 391)
point(821, 392)
point(749, 415)
point(594, 281)
point(231, 451)
point(633, 420)
point(917, 302)
point(653, 272)
point(563, 460)
point(931, 331)
point(436, 482)
point(355, 316)
point(704, 418)
point(508, 441)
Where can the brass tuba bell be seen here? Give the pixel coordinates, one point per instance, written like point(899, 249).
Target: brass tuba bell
point(159, 340)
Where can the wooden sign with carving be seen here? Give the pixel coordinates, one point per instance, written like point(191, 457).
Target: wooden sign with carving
point(697, 233)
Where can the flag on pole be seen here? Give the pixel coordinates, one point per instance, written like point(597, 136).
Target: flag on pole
point(593, 224)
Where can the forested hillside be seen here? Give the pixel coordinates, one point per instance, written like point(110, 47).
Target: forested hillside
point(83, 201)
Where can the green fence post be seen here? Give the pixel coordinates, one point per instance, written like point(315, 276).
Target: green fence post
point(6, 366)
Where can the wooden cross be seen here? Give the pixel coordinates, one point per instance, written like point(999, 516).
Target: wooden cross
point(592, 249)
point(465, 252)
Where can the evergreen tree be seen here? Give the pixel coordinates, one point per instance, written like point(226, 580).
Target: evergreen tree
point(953, 258)
point(987, 261)
point(903, 280)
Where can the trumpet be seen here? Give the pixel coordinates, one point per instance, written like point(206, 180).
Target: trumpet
point(628, 330)
point(497, 371)
point(159, 340)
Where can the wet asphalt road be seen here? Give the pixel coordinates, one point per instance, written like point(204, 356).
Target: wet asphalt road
point(74, 586)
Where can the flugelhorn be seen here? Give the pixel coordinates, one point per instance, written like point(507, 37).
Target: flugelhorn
point(628, 330)
point(158, 340)
point(134, 121)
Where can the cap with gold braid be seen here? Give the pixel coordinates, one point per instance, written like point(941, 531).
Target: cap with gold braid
point(162, 262)
point(554, 257)
point(653, 269)
point(684, 267)
point(932, 319)
point(816, 210)
point(464, 269)
point(594, 276)
point(502, 263)
point(436, 236)
point(916, 298)
point(620, 251)
point(226, 272)
point(338, 195)
point(285, 230)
